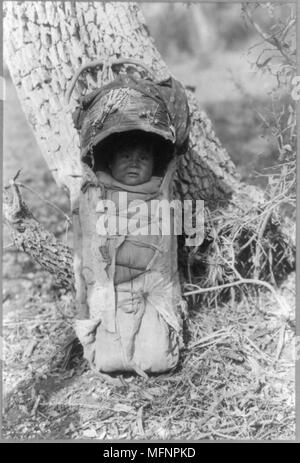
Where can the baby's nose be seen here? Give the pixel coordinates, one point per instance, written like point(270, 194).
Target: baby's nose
point(135, 158)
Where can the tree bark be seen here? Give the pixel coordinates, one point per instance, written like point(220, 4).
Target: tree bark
point(31, 237)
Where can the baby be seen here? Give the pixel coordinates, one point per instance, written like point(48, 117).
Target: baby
point(132, 159)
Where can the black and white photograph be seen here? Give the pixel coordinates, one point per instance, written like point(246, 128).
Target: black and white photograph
point(149, 222)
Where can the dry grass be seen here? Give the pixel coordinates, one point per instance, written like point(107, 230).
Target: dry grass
point(235, 379)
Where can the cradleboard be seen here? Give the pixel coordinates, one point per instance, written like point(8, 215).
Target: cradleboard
point(128, 283)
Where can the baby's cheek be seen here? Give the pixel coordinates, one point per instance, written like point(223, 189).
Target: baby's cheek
point(121, 163)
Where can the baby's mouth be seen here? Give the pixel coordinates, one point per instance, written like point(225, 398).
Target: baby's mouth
point(133, 173)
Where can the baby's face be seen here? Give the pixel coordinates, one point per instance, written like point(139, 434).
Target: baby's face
point(133, 165)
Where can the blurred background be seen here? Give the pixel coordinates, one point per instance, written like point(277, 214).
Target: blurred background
point(213, 47)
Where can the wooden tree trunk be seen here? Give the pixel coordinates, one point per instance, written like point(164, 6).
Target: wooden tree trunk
point(31, 237)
